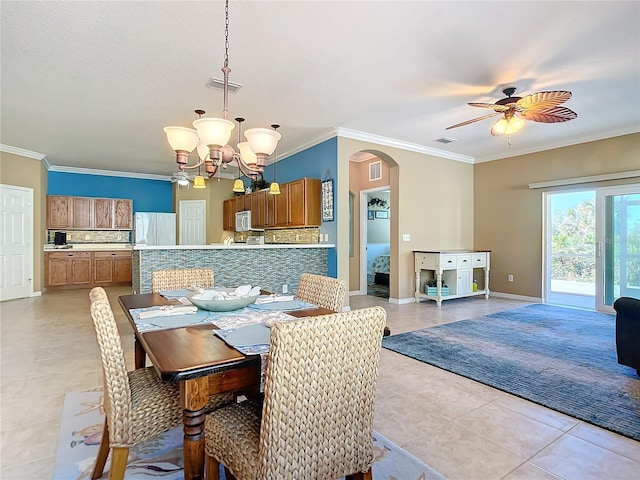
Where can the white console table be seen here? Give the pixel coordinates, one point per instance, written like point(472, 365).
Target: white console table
point(457, 269)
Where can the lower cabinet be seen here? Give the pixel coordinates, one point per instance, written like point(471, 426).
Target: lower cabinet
point(68, 268)
point(111, 268)
point(87, 269)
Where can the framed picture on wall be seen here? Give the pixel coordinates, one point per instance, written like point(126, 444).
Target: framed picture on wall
point(327, 201)
point(382, 214)
point(371, 216)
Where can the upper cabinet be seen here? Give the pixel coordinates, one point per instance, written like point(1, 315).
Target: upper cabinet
point(85, 213)
point(122, 214)
point(59, 212)
point(298, 205)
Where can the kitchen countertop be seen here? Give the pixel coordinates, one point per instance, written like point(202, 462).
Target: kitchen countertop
point(237, 246)
point(91, 247)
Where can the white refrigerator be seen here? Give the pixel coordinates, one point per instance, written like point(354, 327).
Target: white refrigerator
point(155, 228)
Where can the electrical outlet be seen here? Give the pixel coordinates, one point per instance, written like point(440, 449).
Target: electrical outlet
point(406, 237)
point(285, 288)
point(510, 278)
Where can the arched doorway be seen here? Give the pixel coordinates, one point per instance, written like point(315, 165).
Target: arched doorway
point(373, 181)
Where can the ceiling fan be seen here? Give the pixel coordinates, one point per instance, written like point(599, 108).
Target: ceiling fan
point(541, 107)
point(182, 178)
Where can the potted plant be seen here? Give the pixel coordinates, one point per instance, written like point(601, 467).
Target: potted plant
point(259, 183)
point(431, 287)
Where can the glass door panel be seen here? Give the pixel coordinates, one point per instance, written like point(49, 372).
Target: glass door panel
point(618, 245)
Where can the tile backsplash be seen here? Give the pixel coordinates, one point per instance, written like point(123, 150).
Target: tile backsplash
point(284, 235)
point(94, 236)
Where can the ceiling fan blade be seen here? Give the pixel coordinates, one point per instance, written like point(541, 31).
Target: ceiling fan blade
point(542, 100)
point(550, 115)
point(497, 108)
point(473, 120)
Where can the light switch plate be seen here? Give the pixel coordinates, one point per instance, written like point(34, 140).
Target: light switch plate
point(406, 237)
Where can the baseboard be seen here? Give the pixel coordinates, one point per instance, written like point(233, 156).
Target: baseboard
point(356, 293)
point(515, 297)
point(402, 301)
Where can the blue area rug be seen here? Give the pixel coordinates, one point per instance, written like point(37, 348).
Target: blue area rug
point(561, 358)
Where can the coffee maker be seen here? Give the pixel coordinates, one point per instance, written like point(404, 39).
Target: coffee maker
point(60, 238)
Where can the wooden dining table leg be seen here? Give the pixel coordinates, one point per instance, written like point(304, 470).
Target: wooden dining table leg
point(139, 355)
point(194, 396)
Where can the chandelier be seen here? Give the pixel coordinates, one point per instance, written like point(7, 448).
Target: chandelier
point(210, 136)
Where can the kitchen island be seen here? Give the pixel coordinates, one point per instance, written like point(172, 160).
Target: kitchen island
point(270, 266)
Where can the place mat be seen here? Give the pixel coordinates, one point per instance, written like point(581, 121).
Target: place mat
point(176, 293)
point(248, 316)
point(173, 321)
point(256, 337)
point(287, 306)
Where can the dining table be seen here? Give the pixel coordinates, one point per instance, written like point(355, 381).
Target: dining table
point(201, 362)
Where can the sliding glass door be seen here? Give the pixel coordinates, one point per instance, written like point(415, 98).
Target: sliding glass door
point(617, 244)
point(592, 247)
point(571, 248)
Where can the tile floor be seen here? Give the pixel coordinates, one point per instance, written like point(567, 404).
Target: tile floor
point(463, 429)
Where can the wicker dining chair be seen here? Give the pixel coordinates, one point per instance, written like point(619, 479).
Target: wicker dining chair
point(181, 278)
point(316, 419)
point(325, 292)
point(138, 405)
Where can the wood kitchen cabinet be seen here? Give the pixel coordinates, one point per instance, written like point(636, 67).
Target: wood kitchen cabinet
point(59, 212)
point(68, 268)
point(111, 268)
point(229, 214)
point(87, 213)
point(298, 204)
point(82, 214)
point(122, 214)
point(86, 269)
point(102, 213)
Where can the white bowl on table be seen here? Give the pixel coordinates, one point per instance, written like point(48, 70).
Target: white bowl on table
point(223, 305)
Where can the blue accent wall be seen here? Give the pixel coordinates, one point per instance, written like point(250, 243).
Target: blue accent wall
point(147, 195)
point(319, 161)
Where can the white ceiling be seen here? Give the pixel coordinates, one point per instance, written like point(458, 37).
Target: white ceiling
point(91, 84)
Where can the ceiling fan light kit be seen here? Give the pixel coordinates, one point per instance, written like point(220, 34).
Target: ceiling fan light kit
point(210, 136)
point(543, 107)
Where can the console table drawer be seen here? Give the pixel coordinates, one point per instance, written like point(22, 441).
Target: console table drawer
point(479, 260)
point(463, 261)
point(448, 261)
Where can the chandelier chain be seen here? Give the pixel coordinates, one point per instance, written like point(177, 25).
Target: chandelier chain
point(226, 34)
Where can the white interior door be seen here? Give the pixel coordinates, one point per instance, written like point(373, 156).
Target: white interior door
point(16, 242)
point(192, 222)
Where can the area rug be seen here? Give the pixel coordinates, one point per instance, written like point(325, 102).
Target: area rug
point(161, 457)
point(561, 358)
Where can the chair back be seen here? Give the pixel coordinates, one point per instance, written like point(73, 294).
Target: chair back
point(181, 278)
point(323, 291)
point(117, 392)
point(319, 393)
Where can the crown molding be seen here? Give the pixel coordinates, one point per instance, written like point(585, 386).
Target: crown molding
point(109, 173)
point(589, 138)
point(323, 137)
point(22, 152)
point(412, 147)
point(378, 140)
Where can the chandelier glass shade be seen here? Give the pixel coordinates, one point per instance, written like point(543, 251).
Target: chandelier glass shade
point(211, 136)
point(238, 186)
